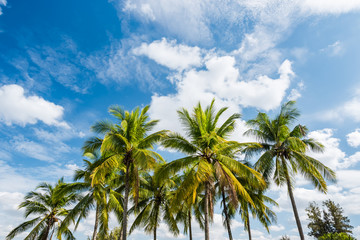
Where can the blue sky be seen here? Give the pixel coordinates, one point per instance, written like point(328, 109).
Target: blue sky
point(63, 63)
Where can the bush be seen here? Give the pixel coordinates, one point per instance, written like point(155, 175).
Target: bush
point(336, 236)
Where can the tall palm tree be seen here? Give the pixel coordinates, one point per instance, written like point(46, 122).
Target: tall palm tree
point(50, 206)
point(126, 145)
point(154, 205)
point(210, 158)
point(284, 152)
point(100, 196)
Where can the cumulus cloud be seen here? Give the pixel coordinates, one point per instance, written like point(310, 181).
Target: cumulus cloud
point(172, 55)
point(203, 84)
point(332, 156)
point(18, 108)
point(353, 138)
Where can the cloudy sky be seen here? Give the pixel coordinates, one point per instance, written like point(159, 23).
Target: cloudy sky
point(63, 63)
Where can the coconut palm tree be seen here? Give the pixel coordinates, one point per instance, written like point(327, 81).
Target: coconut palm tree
point(100, 196)
point(50, 207)
point(210, 157)
point(154, 205)
point(125, 145)
point(190, 208)
point(259, 210)
point(284, 152)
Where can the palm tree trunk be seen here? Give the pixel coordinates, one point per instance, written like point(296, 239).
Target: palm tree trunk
point(155, 233)
point(189, 219)
point(126, 199)
point(297, 218)
point(46, 234)
point(156, 221)
point(248, 225)
point(227, 219)
point(96, 221)
point(207, 235)
point(120, 235)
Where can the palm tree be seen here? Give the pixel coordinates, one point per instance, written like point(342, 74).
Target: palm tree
point(259, 210)
point(191, 207)
point(50, 206)
point(99, 195)
point(154, 205)
point(283, 152)
point(210, 158)
point(125, 146)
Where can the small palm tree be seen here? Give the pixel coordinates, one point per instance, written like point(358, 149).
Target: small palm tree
point(259, 210)
point(50, 207)
point(284, 152)
point(210, 159)
point(100, 196)
point(154, 205)
point(126, 146)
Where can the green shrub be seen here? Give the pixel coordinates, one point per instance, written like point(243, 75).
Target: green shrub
point(336, 236)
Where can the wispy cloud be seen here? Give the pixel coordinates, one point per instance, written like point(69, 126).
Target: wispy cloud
point(347, 110)
point(3, 3)
point(334, 49)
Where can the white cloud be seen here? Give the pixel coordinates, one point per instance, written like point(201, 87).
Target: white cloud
point(182, 18)
point(168, 53)
point(45, 150)
point(117, 63)
point(334, 49)
point(277, 228)
point(220, 80)
point(329, 6)
point(32, 149)
point(332, 156)
point(349, 109)
point(2, 3)
point(294, 95)
point(17, 108)
point(353, 138)
point(13, 181)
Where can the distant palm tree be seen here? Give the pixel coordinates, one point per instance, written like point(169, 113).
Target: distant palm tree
point(154, 205)
point(259, 210)
point(191, 207)
point(210, 159)
point(50, 206)
point(283, 152)
point(99, 195)
point(126, 146)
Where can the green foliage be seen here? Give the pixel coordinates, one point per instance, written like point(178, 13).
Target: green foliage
point(49, 204)
point(121, 166)
point(336, 236)
point(99, 197)
point(283, 152)
point(329, 220)
point(154, 205)
point(113, 235)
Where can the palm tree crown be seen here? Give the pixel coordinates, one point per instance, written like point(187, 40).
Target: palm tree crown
point(126, 146)
point(210, 158)
point(49, 204)
point(284, 152)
